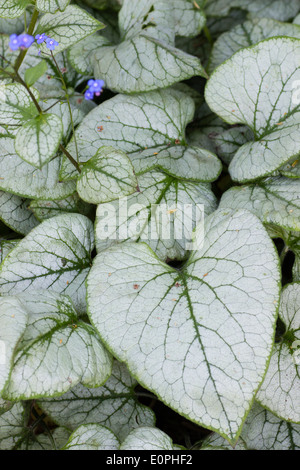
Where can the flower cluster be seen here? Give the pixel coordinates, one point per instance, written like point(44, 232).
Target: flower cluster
point(23, 41)
point(50, 43)
point(94, 88)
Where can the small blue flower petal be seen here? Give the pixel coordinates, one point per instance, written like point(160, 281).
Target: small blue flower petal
point(96, 85)
point(40, 38)
point(89, 95)
point(14, 42)
point(51, 44)
point(25, 41)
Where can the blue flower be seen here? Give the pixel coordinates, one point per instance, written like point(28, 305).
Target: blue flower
point(51, 44)
point(25, 41)
point(14, 42)
point(89, 95)
point(40, 38)
point(96, 86)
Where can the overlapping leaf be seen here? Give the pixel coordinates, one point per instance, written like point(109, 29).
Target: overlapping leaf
point(15, 214)
point(68, 27)
point(278, 9)
point(170, 325)
point(56, 352)
point(281, 387)
point(51, 6)
point(147, 438)
point(20, 178)
point(248, 34)
point(13, 8)
point(92, 437)
point(256, 87)
point(154, 122)
point(55, 255)
point(146, 59)
point(114, 405)
point(18, 433)
point(163, 213)
point(108, 175)
point(274, 200)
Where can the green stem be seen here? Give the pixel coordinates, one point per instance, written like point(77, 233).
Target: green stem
point(208, 35)
point(62, 148)
point(31, 27)
point(69, 106)
point(283, 254)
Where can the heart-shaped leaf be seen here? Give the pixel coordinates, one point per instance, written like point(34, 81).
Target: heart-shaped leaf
point(21, 178)
point(146, 59)
point(154, 122)
point(108, 175)
point(57, 350)
point(170, 325)
point(257, 86)
point(37, 141)
point(54, 255)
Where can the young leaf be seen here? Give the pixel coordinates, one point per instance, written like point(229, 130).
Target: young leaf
point(34, 73)
point(274, 200)
point(15, 214)
point(21, 178)
point(54, 255)
point(281, 387)
point(108, 175)
point(170, 325)
point(57, 350)
point(147, 438)
point(256, 87)
point(114, 405)
point(13, 318)
point(163, 214)
point(37, 141)
point(92, 437)
point(51, 6)
point(67, 27)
